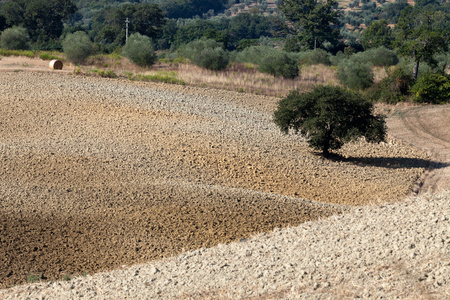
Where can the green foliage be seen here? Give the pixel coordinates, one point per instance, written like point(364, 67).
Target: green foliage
point(66, 277)
point(314, 57)
point(378, 34)
point(292, 45)
point(42, 18)
point(280, 64)
point(392, 11)
point(432, 88)
point(107, 74)
point(166, 77)
point(190, 8)
point(48, 56)
point(15, 38)
point(251, 26)
point(207, 53)
point(26, 53)
point(355, 74)
point(381, 57)
point(329, 117)
point(254, 54)
point(392, 89)
point(270, 60)
point(2, 23)
point(420, 34)
point(316, 21)
point(192, 31)
point(77, 47)
point(140, 50)
point(32, 278)
point(108, 23)
point(245, 43)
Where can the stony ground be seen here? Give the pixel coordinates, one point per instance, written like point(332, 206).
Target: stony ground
point(97, 173)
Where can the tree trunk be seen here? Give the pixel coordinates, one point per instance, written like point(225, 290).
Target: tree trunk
point(415, 70)
point(326, 142)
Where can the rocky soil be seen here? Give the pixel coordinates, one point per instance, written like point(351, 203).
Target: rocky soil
point(97, 174)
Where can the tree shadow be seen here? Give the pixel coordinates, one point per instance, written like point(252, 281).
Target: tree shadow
point(390, 162)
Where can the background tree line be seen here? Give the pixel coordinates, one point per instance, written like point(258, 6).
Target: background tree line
point(301, 26)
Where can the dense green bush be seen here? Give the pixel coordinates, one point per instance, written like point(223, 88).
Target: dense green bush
point(15, 38)
point(270, 60)
point(335, 60)
point(140, 50)
point(77, 47)
point(254, 54)
point(292, 44)
point(432, 88)
point(392, 89)
point(381, 56)
point(279, 63)
point(207, 53)
point(314, 57)
point(355, 74)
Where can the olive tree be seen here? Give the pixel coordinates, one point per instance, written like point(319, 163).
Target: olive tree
point(207, 53)
point(77, 47)
point(328, 117)
point(140, 50)
point(15, 38)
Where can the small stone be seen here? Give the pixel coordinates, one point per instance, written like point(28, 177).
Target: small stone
point(153, 270)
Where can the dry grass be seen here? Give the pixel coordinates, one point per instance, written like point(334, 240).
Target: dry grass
point(246, 79)
point(243, 78)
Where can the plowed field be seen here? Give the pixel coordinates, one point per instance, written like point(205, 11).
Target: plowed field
point(96, 173)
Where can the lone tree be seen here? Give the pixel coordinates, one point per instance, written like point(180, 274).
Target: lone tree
point(329, 117)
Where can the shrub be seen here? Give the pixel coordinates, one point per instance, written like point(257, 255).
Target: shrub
point(392, 89)
point(279, 63)
point(140, 50)
point(292, 44)
point(48, 56)
point(315, 57)
point(354, 74)
point(270, 60)
point(207, 53)
point(77, 47)
point(15, 38)
point(253, 54)
point(328, 117)
point(381, 56)
point(432, 88)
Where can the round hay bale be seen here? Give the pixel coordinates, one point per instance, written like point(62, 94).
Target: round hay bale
point(56, 64)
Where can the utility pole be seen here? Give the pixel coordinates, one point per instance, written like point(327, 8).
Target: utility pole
point(126, 34)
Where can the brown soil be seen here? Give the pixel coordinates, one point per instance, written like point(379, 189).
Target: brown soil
point(91, 180)
point(428, 128)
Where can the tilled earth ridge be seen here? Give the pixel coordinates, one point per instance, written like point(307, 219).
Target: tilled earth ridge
point(427, 127)
point(96, 173)
point(393, 251)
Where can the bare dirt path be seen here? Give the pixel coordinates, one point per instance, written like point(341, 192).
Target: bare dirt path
point(427, 128)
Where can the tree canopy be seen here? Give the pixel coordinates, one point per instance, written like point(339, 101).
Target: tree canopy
point(191, 8)
point(378, 34)
point(42, 18)
point(328, 117)
point(317, 21)
point(420, 34)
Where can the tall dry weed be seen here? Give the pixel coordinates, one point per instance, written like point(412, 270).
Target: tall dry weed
point(236, 77)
